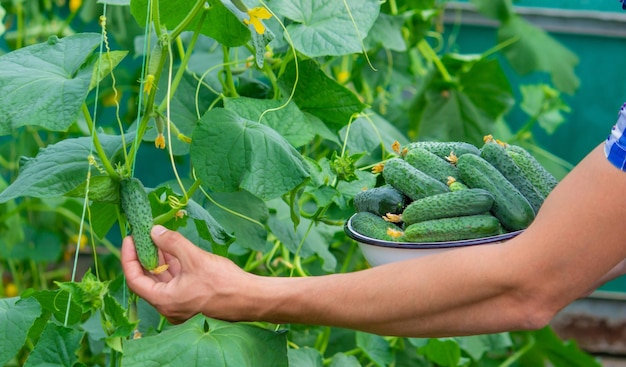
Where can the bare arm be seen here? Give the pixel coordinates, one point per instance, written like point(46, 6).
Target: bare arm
point(570, 247)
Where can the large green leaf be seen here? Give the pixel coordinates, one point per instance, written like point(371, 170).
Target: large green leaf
point(243, 214)
point(287, 120)
point(16, 318)
point(320, 95)
point(470, 108)
point(57, 346)
point(305, 357)
point(231, 153)
point(500, 10)
point(536, 50)
point(206, 342)
point(549, 349)
point(219, 23)
point(46, 84)
point(387, 33)
point(375, 347)
point(60, 168)
point(328, 28)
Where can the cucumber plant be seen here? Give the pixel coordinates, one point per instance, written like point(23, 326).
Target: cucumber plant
point(251, 140)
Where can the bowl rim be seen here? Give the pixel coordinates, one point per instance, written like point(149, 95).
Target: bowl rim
point(423, 245)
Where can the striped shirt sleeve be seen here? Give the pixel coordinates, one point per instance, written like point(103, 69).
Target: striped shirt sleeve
point(615, 145)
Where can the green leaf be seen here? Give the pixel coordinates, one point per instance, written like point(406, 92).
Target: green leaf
point(185, 108)
point(328, 28)
point(287, 120)
point(243, 214)
point(544, 103)
point(202, 341)
point(305, 357)
point(320, 95)
point(115, 320)
point(370, 134)
point(477, 345)
point(16, 318)
point(444, 352)
point(344, 360)
point(56, 302)
point(60, 168)
point(39, 245)
point(468, 110)
point(500, 10)
point(231, 153)
point(105, 65)
point(375, 347)
point(560, 353)
point(386, 33)
point(219, 23)
point(60, 67)
point(57, 346)
point(207, 226)
point(536, 50)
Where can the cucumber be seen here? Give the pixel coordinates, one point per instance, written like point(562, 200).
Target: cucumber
point(540, 177)
point(510, 206)
point(449, 204)
point(443, 148)
point(380, 200)
point(431, 164)
point(456, 185)
point(496, 154)
point(452, 229)
point(136, 207)
point(373, 226)
point(410, 181)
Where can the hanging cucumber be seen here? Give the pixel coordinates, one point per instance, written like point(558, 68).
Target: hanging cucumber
point(136, 207)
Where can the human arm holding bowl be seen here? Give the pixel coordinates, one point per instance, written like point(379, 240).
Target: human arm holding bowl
point(575, 242)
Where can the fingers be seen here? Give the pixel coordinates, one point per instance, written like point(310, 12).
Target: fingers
point(136, 277)
point(173, 243)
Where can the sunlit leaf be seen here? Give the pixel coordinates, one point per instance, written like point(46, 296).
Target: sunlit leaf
point(16, 318)
point(57, 346)
point(206, 342)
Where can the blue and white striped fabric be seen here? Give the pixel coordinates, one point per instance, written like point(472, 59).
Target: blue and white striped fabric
point(615, 145)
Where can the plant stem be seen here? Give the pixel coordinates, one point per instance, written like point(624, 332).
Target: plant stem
point(96, 142)
point(183, 64)
point(188, 18)
point(519, 353)
point(163, 218)
point(428, 52)
point(229, 88)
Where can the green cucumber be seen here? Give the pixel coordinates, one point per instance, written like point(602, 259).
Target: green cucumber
point(380, 200)
point(374, 226)
point(443, 149)
point(540, 177)
point(449, 204)
point(452, 229)
point(496, 154)
point(136, 206)
point(431, 164)
point(510, 206)
point(410, 181)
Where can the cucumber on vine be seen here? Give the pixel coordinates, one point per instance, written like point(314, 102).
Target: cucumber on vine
point(136, 207)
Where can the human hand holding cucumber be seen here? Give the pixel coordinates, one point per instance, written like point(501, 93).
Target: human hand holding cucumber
point(574, 244)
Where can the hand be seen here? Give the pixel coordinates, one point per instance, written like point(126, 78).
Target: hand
point(195, 282)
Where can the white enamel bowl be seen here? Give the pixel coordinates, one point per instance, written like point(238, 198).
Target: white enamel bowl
point(378, 252)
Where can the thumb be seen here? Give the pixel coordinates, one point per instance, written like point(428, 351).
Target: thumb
point(172, 242)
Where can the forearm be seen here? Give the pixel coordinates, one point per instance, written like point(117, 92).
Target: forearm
point(571, 245)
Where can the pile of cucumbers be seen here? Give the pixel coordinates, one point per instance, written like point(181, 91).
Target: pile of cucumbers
point(450, 191)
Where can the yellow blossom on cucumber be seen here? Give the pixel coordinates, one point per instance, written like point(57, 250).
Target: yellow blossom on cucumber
point(159, 142)
point(396, 146)
point(378, 168)
point(393, 218)
point(256, 16)
point(184, 138)
point(148, 84)
point(394, 233)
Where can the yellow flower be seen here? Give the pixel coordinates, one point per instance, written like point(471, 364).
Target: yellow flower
point(256, 15)
point(148, 84)
point(159, 142)
point(75, 5)
point(343, 76)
